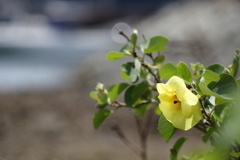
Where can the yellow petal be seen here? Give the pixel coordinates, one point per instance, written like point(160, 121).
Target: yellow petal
point(165, 98)
point(188, 123)
point(161, 88)
point(189, 98)
point(186, 109)
point(170, 110)
point(178, 85)
point(197, 115)
point(174, 115)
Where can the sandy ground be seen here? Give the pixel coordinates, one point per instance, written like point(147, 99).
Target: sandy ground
point(57, 125)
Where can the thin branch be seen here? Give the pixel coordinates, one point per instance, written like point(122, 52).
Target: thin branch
point(143, 36)
point(125, 36)
point(122, 33)
point(116, 129)
point(210, 113)
point(139, 125)
point(151, 72)
point(204, 111)
point(148, 121)
point(200, 128)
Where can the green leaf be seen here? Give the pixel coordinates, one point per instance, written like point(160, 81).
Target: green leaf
point(157, 111)
point(134, 92)
point(176, 148)
point(144, 72)
point(238, 84)
point(154, 44)
point(235, 154)
point(184, 71)
point(125, 76)
point(138, 66)
point(129, 69)
point(207, 136)
point(140, 111)
point(101, 105)
point(133, 38)
point(219, 111)
point(165, 128)
point(115, 90)
point(100, 116)
point(126, 49)
point(159, 60)
point(217, 68)
point(235, 65)
point(168, 70)
point(93, 95)
point(113, 56)
point(210, 76)
point(225, 88)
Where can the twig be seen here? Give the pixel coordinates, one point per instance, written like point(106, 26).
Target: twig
point(144, 134)
point(122, 33)
point(200, 128)
point(139, 125)
point(116, 129)
point(210, 113)
point(151, 72)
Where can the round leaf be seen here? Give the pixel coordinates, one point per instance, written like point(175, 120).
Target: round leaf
point(134, 92)
point(184, 71)
point(154, 44)
point(129, 69)
point(100, 116)
point(159, 60)
point(168, 70)
point(225, 88)
point(217, 68)
point(115, 90)
point(113, 56)
point(165, 128)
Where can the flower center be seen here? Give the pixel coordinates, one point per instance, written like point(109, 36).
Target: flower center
point(176, 101)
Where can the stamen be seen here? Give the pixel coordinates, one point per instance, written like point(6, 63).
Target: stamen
point(175, 102)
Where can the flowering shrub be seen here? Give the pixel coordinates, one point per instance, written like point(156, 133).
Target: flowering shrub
point(206, 98)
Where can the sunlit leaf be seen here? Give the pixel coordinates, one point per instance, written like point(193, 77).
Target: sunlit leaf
point(165, 128)
point(207, 136)
point(133, 38)
point(235, 65)
point(125, 76)
point(184, 71)
point(113, 56)
point(154, 44)
point(210, 76)
point(225, 88)
point(115, 90)
point(168, 70)
point(100, 116)
point(93, 95)
point(159, 60)
point(235, 154)
point(176, 148)
point(217, 68)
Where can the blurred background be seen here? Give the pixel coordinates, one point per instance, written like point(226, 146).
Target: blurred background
point(52, 54)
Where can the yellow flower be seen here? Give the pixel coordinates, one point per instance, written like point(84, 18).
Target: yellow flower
point(178, 104)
